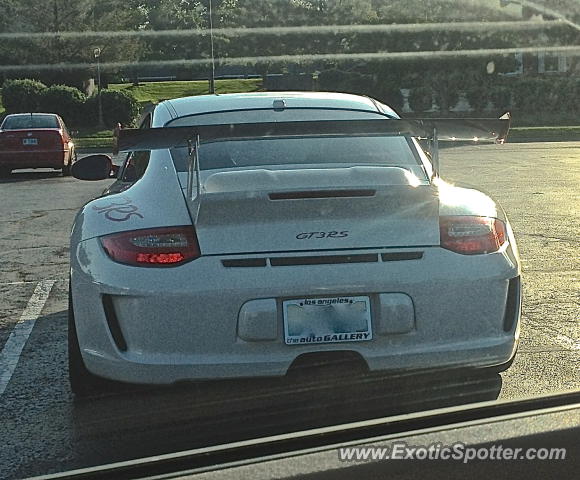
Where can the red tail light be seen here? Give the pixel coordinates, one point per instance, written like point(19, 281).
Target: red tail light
point(154, 247)
point(472, 235)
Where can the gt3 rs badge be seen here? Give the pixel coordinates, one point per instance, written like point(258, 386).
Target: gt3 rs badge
point(119, 211)
point(319, 235)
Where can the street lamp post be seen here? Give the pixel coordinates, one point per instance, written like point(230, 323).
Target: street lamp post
point(97, 53)
point(212, 53)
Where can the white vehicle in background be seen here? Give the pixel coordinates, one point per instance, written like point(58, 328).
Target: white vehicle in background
point(263, 229)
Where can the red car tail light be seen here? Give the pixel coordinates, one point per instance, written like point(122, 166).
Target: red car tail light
point(153, 247)
point(472, 235)
point(56, 138)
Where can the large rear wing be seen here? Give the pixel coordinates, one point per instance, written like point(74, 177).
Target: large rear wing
point(433, 130)
point(438, 129)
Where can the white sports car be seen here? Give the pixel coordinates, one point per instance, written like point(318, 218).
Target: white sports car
point(255, 231)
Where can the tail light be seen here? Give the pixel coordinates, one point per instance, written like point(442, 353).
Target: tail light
point(59, 140)
point(472, 235)
point(154, 247)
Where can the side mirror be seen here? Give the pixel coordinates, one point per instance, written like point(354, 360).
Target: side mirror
point(114, 171)
point(92, 167)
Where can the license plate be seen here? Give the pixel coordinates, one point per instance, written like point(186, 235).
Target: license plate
point(30, 141)
point(327, 320)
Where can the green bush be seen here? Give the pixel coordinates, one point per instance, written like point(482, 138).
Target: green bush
point(118, 107)
point(570, 96)
point(335, 80)
point(383, 89)
point(446, 88)
point(65, 101)
point(21, 96)
point(390, 94)
point(501, 97)
point(90, 112)
point(420, 99)
point(478, 96)
point(562, 95)
point(526, 94)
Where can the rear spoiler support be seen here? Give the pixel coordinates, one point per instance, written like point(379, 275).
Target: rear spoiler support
point(193, 165)
point(193, 169)
point(434, 150)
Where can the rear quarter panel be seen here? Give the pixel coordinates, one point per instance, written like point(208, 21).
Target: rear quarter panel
point(155, 200)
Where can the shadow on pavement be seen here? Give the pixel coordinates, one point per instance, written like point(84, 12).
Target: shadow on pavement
point(28, 175)
point(146, 422)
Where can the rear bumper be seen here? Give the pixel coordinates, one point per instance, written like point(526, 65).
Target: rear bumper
point(186, 323)
point(36, 159)
point(462, 355)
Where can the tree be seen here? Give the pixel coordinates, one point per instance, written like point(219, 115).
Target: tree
point(56, 17)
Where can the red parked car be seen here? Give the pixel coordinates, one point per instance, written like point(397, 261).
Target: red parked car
point(35, 140)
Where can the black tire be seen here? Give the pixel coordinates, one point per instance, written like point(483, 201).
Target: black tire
point(82, 382)
point(5, 172)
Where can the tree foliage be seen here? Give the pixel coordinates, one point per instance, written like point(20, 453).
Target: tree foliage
point(153, 22)
point(22, 96)
point(65, 101)
point(118, 107)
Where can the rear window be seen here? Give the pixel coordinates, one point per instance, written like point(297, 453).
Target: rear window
point(21, 122)
point(316, 150)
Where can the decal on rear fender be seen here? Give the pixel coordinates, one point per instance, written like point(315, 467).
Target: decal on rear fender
point(119, 211)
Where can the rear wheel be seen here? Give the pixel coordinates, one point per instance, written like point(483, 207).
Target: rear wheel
point(83, 383)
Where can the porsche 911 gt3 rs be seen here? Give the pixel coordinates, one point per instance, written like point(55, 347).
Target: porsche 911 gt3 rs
point(264, 228)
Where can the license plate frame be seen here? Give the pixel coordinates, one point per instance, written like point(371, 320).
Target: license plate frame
point(336, 319)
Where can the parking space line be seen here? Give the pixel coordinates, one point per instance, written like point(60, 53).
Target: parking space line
point(552, 334)
point(25, 282)
point(567, 342)
point(12, 350)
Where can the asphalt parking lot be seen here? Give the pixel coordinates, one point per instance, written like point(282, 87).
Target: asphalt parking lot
point(44, 430)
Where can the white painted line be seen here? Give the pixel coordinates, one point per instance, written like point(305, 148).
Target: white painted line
point(12, 350)
point(25, 282)
point(554, 336)
point(567, 342)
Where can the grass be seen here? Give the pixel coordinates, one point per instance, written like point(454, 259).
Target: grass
point(546, 134)
point(153, 92)
point(93, 138)
point(93, 132)
point(562, 129)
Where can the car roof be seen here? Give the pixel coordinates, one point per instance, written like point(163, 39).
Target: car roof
point(258, 100)
point(34, 114)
